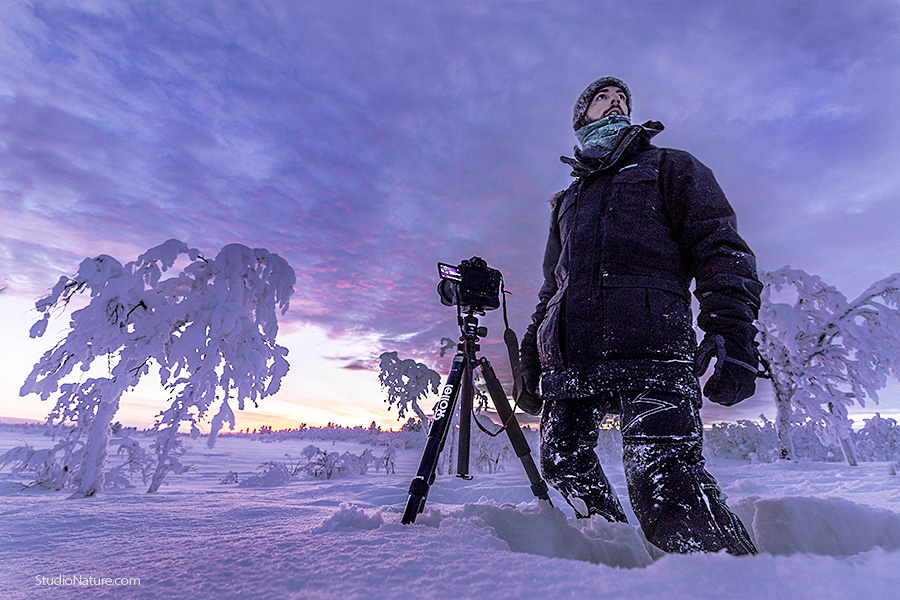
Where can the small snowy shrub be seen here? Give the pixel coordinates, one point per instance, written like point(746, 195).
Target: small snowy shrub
point(272, 473)
point(489, 451)
point(879, 440)
point(136, 461)
point(49, 468)
point(230, 477)
point(388, 461)
point(320, 464)
point(745, 440)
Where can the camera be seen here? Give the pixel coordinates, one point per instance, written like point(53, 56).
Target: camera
point(471, 285)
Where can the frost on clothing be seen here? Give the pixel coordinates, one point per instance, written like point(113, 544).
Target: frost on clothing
point(677, 502)
point(613, 333)
point(626, 240)
point(569, 434)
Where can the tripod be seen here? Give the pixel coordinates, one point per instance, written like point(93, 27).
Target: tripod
point(460, 385)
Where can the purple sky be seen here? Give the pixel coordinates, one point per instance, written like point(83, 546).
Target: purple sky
point(365, 141)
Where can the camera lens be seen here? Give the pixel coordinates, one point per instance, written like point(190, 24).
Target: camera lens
point(448, 291)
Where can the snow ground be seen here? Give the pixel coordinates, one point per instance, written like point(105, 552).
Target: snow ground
point(825, 531)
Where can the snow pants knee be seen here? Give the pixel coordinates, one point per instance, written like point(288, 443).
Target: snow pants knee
point(678, 503)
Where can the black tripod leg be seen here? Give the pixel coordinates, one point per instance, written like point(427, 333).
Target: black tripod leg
point(443, 416)
point(466, 401)
point(516, 437)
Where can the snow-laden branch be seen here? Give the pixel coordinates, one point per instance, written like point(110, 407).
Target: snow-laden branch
point(406, 381)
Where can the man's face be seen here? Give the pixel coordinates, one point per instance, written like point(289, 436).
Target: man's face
point(608, 101)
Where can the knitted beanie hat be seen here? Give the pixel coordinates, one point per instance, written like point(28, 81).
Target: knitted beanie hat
point(579, 115)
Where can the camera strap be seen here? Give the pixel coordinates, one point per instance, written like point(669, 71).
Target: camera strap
point(512, 346)
point(512, 349)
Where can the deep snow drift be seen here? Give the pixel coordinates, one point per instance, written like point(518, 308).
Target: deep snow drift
point(824, 531)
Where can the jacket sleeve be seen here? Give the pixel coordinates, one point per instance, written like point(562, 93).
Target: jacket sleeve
point(529, 351)
point(724, 267)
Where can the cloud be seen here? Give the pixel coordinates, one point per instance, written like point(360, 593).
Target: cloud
point(359, 365)
point(366, 143)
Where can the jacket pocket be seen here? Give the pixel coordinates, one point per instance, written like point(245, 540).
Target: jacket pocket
point(635, 188)
point(548, 334)
point(646, 323)
point(566, 216)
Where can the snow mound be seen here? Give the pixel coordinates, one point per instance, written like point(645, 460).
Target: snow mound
point(350, 517)
point(825, 526)
point(779, 526)
point(543, 530)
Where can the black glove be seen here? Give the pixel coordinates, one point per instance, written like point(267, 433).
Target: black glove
point(734, 377)
point(529, 399)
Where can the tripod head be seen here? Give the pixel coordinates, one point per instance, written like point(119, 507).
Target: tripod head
point(469, 328)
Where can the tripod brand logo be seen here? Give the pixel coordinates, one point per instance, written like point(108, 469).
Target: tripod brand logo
point(441, 409)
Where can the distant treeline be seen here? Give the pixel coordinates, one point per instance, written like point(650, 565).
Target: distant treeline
point(877, 441)
point(409, 436)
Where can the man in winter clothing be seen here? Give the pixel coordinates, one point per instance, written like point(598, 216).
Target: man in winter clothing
point(613, 332)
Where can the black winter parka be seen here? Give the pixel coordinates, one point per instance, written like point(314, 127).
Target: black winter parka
point(629, 235)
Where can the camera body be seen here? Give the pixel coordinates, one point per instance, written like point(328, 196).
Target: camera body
point(472, 285)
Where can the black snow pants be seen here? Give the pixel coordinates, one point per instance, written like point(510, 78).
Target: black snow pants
point(678, 503)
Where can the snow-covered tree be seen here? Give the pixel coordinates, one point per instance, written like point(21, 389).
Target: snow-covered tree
point(880, 439)
point(826, 353)
point(210, 331)
point(406, 382)
point(745, 439)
